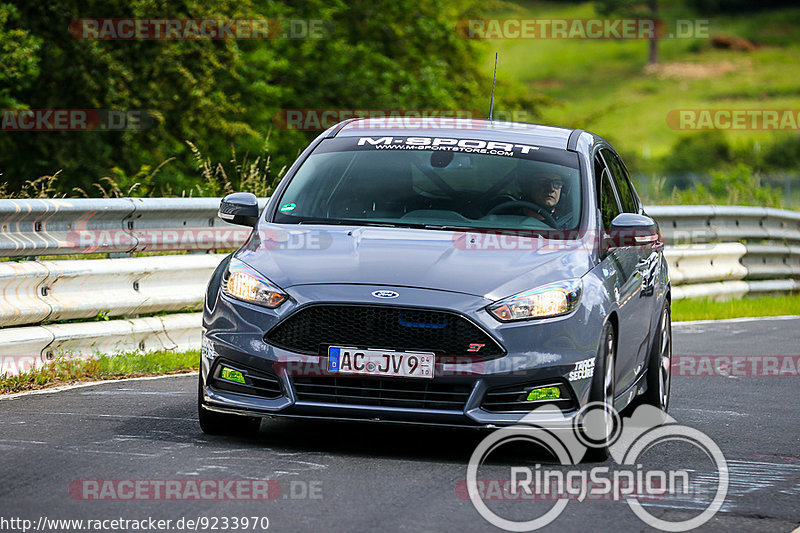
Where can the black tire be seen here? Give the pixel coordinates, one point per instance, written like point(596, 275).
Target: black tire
point(659, 361)
point(213, 423)
point(603, 391)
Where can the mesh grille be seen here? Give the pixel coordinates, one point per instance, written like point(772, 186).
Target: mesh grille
point(312, 329)
point(387, 392)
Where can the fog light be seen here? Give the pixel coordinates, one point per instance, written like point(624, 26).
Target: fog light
point(544, 393)
point(229, 374)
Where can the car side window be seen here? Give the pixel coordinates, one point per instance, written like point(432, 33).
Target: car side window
point(609, 208)
point(621, 182)
point(636, 199)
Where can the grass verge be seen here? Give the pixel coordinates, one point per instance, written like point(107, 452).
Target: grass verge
point(63, 370)
point(705, 309)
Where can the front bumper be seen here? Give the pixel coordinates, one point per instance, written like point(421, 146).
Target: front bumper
point(545, 352)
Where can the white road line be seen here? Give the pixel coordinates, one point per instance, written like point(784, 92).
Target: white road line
point(734, 320)
point(103, 415)
point(111, 452)
point(130, 392)
point(88, 384)
point(709, 411)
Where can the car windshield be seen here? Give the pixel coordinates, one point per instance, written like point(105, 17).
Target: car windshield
point(446, 183)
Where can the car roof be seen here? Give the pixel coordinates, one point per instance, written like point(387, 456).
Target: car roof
point(459, 128)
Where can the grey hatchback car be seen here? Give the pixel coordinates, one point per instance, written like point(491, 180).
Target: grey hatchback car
point(449, 272)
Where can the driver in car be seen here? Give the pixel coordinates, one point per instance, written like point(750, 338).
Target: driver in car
point(543, 190)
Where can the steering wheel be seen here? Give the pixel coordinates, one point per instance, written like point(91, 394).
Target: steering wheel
point(548, 218)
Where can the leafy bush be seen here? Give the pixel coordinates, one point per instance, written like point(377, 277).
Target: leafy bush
point(248, 175)
point(724, 7)
point(739, 186)
point(698, 152)
point(783, 154)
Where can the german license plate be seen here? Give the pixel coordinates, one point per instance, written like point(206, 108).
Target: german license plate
point(344, 360)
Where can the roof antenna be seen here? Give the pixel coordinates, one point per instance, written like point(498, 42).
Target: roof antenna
point(494, 76)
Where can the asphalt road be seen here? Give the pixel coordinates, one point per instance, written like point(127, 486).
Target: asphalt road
point(369, 477)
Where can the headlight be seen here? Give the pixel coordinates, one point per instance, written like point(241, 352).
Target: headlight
point(549, 300)
point(246, 284)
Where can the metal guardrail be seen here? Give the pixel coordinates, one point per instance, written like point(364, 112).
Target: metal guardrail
point(712, 262)
point(734, 289)
point(695, 224)
point(31, 347)
point(718, 252)
point(730, 251)
point(117, 225)
point(51, 291)
point(764, 261)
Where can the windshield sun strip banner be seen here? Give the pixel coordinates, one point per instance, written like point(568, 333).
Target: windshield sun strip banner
point(501, 148)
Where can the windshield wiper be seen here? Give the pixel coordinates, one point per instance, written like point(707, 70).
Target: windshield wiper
point(320, 221)
point(446, 227)
point(378, 224)
point(479, 229)
point(339, 222)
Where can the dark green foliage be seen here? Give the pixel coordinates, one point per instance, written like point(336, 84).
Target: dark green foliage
point(739, 186)
point(783, 154)
point(725, 7)
point(698, 152)
point(222, 96)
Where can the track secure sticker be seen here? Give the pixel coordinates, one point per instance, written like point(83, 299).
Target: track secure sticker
point(285, 208)
point(583, 369)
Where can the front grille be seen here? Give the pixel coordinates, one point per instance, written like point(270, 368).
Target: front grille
point(256, 383)
point(386, 392)
point(313, 328)
point(513, 399)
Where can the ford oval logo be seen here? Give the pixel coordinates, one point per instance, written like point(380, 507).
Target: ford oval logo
point(385, 294)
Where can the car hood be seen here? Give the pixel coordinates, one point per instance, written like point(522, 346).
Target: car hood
point(481, 264)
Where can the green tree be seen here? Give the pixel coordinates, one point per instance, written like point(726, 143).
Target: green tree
point(646, 9)
point(223, 95)
point(19, 52)
point(184, 85)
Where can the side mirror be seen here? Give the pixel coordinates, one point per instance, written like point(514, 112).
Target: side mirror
point(239, 208)
point(631, 229)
